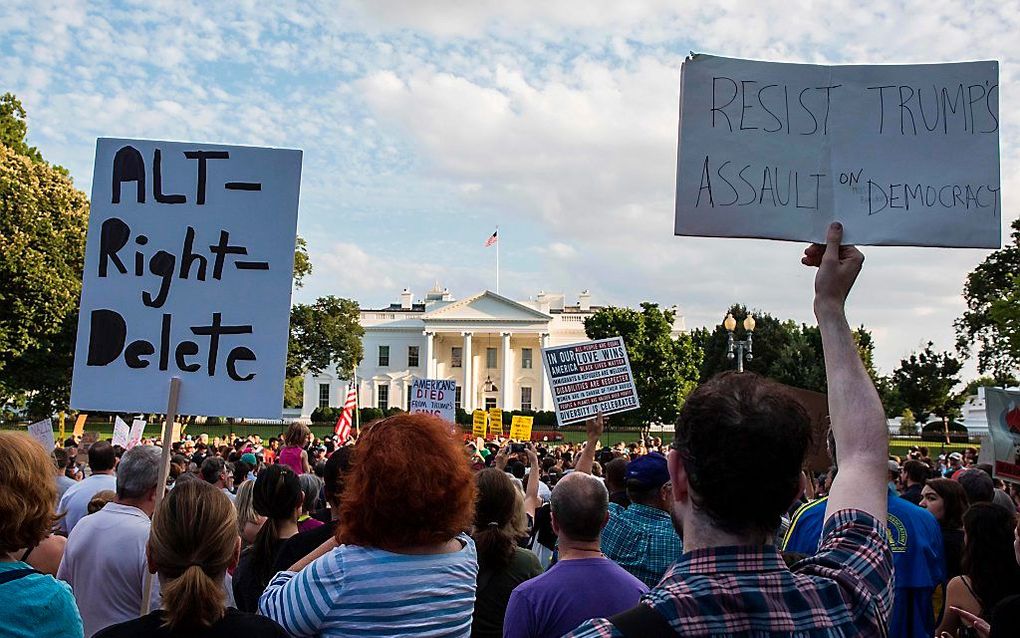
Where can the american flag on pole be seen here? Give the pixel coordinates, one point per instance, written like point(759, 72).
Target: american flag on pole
point(343, 424)
point(492, 239)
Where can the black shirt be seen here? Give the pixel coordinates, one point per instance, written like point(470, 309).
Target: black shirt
point(952, 547)
point(300, 545)
point(913, 493)
point(1006, 618)
point(235, 624)
point(248, 587)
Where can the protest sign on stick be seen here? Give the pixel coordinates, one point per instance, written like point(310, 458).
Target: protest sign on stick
point(137, 431)
point(42, 431)
point(121, 433)
point(903, 155)
point(479, 423)
point(520, 427)
point(495, 422)
point(79, 425)
point(434, 396)
point(1002, 408)
point(588, 378)
point(188, 272)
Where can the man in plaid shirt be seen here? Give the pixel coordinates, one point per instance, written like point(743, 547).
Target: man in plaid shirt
point(735, 467)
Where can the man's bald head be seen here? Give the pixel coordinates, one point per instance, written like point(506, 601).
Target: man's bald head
point(580, 504)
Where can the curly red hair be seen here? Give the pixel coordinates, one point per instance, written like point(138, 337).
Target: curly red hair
point(409, 485)
point(28, 491)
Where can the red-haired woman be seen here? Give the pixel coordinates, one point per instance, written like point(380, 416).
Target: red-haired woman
point(404, 565)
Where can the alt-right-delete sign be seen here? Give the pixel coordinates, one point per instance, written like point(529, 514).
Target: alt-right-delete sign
point(588, 378)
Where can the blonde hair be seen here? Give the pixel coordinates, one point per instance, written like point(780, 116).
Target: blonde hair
point(192, 543)
point(28, 491)
point(297, 434)
point(243, 501)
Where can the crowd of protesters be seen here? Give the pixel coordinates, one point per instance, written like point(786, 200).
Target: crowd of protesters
point(411, 529)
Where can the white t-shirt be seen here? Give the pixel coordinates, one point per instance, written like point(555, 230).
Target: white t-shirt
point(75, 501)
point(104, 563)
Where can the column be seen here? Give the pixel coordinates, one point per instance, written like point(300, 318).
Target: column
point(430, 364)
point(467, 393)
point(506, 391)
point(546, 401)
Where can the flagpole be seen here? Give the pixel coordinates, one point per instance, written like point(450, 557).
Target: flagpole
point(357, 403)
point(497, 260)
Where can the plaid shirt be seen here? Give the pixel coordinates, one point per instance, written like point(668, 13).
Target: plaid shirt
point(642, 540)
point(844, 590)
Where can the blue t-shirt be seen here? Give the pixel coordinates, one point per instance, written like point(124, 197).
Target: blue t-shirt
point(569, 593)
point(918, 562)
point(38, 606)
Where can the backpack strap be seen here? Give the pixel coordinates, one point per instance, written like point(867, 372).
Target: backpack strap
point(15, 574)
point(642, 621)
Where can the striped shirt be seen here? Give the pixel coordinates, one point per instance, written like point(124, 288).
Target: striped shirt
point(366, 591)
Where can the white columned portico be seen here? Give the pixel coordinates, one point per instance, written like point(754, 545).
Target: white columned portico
point(506, 394)
point(430, 351)
point(547, 403)
point(467, 394)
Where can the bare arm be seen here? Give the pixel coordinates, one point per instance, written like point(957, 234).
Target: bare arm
point(855, 411)
point(531, 499)
point(304, 463)
point(587, 459)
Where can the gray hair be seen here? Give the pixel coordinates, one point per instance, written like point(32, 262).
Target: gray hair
point(580, 503)
point(138, 471)
point(311, 485)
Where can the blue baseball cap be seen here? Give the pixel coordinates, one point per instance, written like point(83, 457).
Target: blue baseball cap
point(649, 470)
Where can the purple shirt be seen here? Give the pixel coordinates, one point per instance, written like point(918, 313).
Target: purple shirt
point(569, 593)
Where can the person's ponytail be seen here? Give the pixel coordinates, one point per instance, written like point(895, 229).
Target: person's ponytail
point(193, 598)
point(276, 494)
point(192, 542)
point(499, 519)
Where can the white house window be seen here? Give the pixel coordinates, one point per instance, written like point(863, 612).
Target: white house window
point(457, 357)
point(323, 395)
point(456, 399)
point(384, 356)
point(383, 396)
point(412, 356)
point(490, 402)
point(525, 398)
point(490, 358)
point(526, 358)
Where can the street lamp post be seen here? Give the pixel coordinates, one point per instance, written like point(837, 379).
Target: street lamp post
point(739, 348)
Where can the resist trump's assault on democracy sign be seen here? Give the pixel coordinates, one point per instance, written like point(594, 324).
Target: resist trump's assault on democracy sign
point(588, 378)
point(188, 272)
point(903, 155)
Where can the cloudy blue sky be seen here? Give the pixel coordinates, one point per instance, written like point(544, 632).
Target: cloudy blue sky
point(426, 124)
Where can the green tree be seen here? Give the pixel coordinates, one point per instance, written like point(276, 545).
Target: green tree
point(43, 220)
point(987, 382)
point(294, 392)
point(908, 425)
point(665, 369)
point(302, 263)
point(323, 334)
point(925, 381)
point(992, 319)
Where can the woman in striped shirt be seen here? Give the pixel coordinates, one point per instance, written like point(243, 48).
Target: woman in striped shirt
point(401, 563)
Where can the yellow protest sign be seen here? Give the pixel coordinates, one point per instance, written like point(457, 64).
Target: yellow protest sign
point(79, 425)
point(479, 422)
point(520, 428)
point(495, 421)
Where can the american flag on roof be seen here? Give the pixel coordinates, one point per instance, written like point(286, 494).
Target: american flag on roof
point(343, 424)
point(492, 239)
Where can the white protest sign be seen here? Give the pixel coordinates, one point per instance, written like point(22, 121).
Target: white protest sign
point(588, 378)
point(42, 431)
point(137, 431)
point(1002, 408)
point(903, 155)
point(121, 433)
point(435, 396)
point(188, 266)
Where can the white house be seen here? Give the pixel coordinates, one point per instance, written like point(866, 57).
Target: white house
point(488, 344)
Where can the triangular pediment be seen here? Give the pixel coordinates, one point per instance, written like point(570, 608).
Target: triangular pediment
point(486, 306)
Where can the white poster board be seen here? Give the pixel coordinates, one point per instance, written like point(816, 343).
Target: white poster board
point(435, 396)
point(188, 272)
point(121, 433)
point(903, 155)
point(42, 431)
point(588, 378)
point(1002, 408)
point(137, 432)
